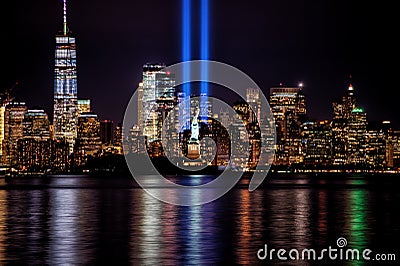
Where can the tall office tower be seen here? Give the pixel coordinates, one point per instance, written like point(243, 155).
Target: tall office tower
point(379, 145)
point(348, 102)
point(253, 99)
point(35, 148)
point(107, 132)
point(140, 106)
point(288, 106)
point(2, 111)
point(36, 125)
point(84, 106)
point(345, 114)
point(395, 143)
point(157, 100)
point(246, 114)
point(339, 135)
point(88, 141)
point(238, 132)
point(357, 135)
point(13, 131)
point(316, 143)
point(65, 86)
point(181, 114)
point(205, 108)
point(118, 136)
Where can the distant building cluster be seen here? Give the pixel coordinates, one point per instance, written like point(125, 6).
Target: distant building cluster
point(347, 141)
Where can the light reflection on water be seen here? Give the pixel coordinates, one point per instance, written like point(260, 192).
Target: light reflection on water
point(94, 221)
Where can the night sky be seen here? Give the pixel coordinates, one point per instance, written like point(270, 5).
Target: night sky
point(320, 43)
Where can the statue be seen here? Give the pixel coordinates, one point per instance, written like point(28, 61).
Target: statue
point(195, 128)
point(193, 152)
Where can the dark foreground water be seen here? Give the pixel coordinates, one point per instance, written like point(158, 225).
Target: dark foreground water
point(89, 220)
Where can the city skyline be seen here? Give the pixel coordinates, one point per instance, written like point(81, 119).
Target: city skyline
point(78, 136)
point(108, 59)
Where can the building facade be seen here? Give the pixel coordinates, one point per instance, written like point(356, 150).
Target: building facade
point(158, 99)
point(88, 141)
point(288, 106)
point(65, 87)
point(13, 131)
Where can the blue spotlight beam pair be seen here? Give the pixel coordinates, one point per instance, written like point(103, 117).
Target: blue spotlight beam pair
point(186, 44)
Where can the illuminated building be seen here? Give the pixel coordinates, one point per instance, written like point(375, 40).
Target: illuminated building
point(107, 132)
point(182, 112)
point(157, 101)
point(35, 147)
point(60, 160)
point(342, 111)
point(251, 122)
point(243, 112)
point(107, 136)
point(140, 107)
point(379, 146)
point(253, 99)
point(254, 132)
point(88, 142)
point(316, 143)
point(288, 106)
point(357, 134)
point(148, 117)
point(84, 106)
point(2, 111)
point(65, 87)
point(136, 145)
point(238, 132)
point(222, 139)
point(118, 137)
point(34, 154)
point(36, 125)
point(13, 131)
point(395, 143)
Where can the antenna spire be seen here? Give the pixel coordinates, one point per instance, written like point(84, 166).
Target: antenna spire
point(65, 17)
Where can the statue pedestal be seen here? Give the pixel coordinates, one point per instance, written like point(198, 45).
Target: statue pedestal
point(193, 151)
point(193, 156)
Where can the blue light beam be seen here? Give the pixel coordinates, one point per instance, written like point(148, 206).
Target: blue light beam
point(204, 55)
point(186, 52)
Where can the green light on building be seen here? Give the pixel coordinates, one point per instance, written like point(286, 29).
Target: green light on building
point(358, 110)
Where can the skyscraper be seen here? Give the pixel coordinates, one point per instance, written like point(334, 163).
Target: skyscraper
point(2, 112)
point(357, 135)
point(13, 130)
point(157, 100)
point(288, 105)
point(107, 132)
point(88, 142)
point(253, 99)
point(65, 86)
point(316, 142)
point(348, 131)
point(379, 148)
